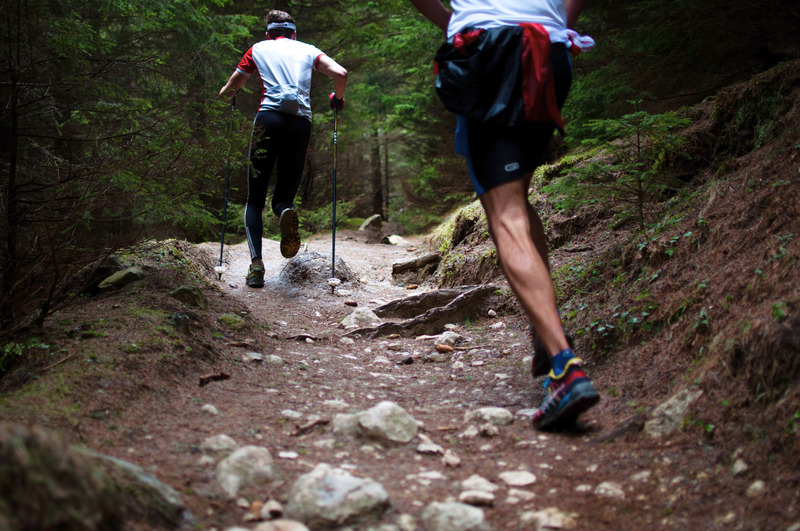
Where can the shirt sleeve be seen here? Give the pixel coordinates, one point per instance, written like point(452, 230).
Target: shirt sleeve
point(247, 65)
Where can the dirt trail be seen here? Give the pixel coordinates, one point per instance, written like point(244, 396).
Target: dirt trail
point(676, 483)
point(130, 390)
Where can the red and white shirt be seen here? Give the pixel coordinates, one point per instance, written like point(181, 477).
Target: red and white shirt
point(285, 68)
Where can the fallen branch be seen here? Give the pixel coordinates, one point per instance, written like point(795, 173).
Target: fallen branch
point(308, 426)
point(207, 378)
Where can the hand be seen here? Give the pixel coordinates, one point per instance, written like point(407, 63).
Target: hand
point(336, 103)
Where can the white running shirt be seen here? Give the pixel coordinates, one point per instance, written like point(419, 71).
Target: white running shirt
point(487, 14)
point(285, 67)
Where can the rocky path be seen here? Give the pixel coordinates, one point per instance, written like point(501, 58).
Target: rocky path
point(335, 430)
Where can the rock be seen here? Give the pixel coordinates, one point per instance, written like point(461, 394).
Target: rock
point(190, 296)
point(388, 421)
point(477, 497)
point(245, 467)
point(209, 409)
point(453, 516)
point(361, 317)
point(476, 482)
point(272, 359)
point(609, 489)
point(489, 430)
point(518, 478)
point(253, 357)
point(526, 414)
point(121, 278)
point(527, 366)
point(160, 502)
point(668, 417)
point(550, 518)
point(291, 414)
point(231, 321)
point(451, 459)
point(427, 446)
point(449, 338)
point(756, 489)
point(219, 443)
point(329, 497)
point(345, 426)
point(495, 415)
point(470, 433)
point(271, 510)
point(281, 525)
point(346, 340)
point(739, 467)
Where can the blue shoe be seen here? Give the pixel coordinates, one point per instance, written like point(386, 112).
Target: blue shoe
point(568, 395)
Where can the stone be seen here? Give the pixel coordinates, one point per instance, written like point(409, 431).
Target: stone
point(495, 415)
point(281, 525)
point(246, 466)
point(209, 409)
point(361, 317)
point(518, 478)
point(121, 278)
point(330, 497)
point(231, 321)
point(756, 489)
point(477, 497)
point(476, 482)
point(549, 518)
point(609, 489)
point(389, 422)
point(253, 357)
point(219, 443)
point(272, 359)
point(668, 417)
point(450, 458)
point(739, 467)
point(190, 296)
point(453, 516)
point(427, 446)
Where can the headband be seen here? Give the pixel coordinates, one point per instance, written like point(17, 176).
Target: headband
point(281, 25)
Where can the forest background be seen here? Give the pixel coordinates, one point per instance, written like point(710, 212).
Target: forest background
point(111, 131)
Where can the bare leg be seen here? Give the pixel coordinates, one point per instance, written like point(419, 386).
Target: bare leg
point(518, 233)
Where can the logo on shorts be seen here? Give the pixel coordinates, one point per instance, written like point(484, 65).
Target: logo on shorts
point(512, 167)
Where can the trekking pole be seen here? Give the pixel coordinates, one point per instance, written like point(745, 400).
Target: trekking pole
point(220, 268)
point(333, 281)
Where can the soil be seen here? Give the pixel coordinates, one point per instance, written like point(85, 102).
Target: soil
point(144, 404)
point(719, 285)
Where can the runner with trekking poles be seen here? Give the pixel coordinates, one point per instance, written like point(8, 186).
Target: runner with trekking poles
point(282, 128)
point(505, 70)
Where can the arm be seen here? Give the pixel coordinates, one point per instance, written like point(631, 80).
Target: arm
point(331, 68)
point(236, 82)
point(434, 11)
point(574, 8)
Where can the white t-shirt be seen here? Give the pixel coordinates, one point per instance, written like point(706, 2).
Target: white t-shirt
point(285, 67)
point(487, 14)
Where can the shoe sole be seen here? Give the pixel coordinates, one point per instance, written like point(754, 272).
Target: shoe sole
point(580, 399)
point(290, 233)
